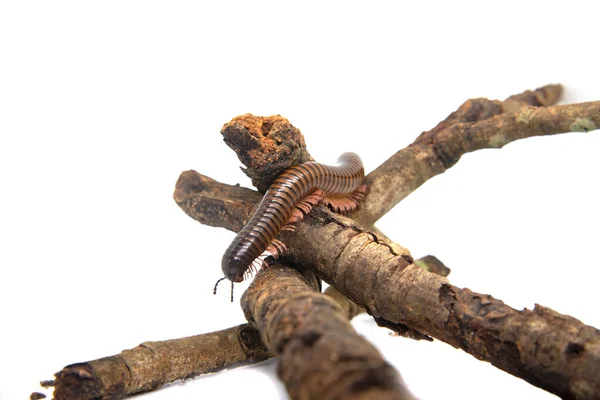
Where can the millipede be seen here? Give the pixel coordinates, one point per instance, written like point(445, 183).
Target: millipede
point(291, 196)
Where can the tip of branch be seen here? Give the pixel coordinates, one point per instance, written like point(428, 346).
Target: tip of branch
point(266, 146)
point(544, 96)
point(76, 382)
point(432, 264)
point(190, 182)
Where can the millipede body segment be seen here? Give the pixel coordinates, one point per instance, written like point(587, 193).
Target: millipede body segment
point(288, 199)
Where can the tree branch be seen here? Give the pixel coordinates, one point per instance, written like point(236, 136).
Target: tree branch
point(320, 354)
point(153, 364)
point(434, 152)
point(555, 352)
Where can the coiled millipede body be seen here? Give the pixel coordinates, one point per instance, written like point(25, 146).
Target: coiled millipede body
point(288, 199)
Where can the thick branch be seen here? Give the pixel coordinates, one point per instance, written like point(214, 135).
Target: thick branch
point(320, 354)
point(555, 352)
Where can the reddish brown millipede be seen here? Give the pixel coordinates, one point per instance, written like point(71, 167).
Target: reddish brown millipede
point(288, 199)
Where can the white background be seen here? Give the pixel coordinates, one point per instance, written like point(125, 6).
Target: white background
point(103, 104)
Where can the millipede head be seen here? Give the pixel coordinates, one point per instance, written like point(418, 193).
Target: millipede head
point(233, 267)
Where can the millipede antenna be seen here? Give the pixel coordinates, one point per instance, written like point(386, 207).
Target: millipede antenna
point(217, 284)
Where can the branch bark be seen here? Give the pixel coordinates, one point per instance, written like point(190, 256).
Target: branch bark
point(153, 364)
point(267, 146)
point(320, 354)
point(434, 152)
point(555, 352)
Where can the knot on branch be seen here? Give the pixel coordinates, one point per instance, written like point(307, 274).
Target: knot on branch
point(266, 146)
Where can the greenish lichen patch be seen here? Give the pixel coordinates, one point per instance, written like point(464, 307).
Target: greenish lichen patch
point(421, 265)
point(497, 141)
point(524, 116)
point(582, 125)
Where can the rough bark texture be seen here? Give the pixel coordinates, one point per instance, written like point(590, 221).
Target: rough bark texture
point(435, 151)
point(320, 354)
point(267, 146)
point(555, 352)
point(213, 203)
point(152, 364)
point(474, 110)
point(349, 308)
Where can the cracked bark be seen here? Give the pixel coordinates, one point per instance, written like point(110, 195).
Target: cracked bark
point(555, 352)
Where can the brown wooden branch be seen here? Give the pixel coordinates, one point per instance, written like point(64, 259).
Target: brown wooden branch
point(213, 203)
point(474, 110)
point(153, 364)
point(320, 354)
point(432, 154)
point(552, 351)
